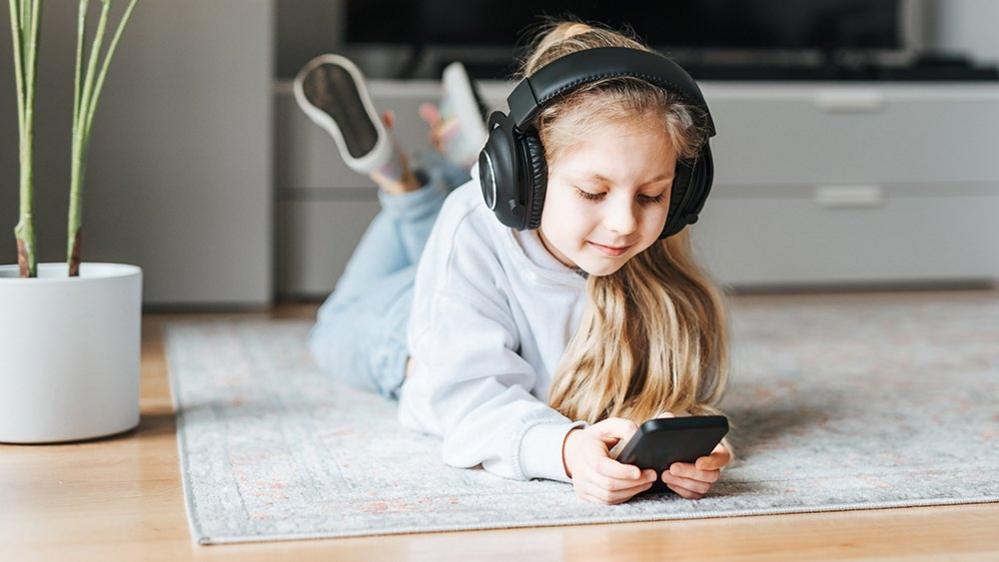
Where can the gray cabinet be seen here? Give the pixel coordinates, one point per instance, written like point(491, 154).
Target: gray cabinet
point(864, 183)
point(816, 184)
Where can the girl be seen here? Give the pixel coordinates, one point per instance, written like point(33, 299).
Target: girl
point(533, 352)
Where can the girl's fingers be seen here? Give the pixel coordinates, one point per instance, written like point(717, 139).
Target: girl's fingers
point(718, 458)
point(626, 494)
point(681, 490)
point(688, 470)
point(685, 493)
point(687, 483)
point(615, 484)
point(599, 494)
point(613, 469)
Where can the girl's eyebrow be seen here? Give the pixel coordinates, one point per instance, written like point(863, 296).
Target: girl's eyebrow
point(602, 179)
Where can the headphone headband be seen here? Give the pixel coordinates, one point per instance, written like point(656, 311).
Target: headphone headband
point(567, 73)
point(513, 173)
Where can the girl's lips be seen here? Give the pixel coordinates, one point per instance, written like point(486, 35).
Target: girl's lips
point(609, 250)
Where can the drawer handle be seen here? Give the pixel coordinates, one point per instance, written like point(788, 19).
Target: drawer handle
point(849, 196)
point(850, 102)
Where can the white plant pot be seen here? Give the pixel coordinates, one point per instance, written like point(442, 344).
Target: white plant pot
point(69, 352)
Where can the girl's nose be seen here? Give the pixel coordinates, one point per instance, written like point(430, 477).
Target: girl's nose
point(621, 218)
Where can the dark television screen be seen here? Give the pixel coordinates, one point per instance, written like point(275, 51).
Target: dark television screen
point(742, 24)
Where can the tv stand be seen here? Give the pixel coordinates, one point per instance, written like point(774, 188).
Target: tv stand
point(816, 184)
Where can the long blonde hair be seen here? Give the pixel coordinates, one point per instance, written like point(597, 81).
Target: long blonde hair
point(653, 336)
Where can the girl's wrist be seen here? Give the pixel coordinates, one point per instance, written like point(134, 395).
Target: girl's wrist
point(565, 446)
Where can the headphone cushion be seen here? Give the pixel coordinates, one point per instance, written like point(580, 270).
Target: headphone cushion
point(537, 173)
point(683, 174)
point(691, 187)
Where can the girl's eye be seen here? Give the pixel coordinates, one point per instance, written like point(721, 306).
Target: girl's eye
point(645, 199)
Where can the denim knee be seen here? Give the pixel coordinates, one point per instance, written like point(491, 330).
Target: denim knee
point(334, 350)
point(362, 346)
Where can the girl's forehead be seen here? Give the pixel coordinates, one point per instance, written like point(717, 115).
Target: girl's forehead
point(613, 136)
point(611, 158)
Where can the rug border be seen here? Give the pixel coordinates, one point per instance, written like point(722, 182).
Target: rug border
point(197, 536)
point(236, 539)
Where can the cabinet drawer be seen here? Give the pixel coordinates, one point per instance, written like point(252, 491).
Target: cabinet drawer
point(793, 134)
point(909, 237)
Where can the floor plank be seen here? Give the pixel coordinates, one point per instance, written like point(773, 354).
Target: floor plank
point(121, 499)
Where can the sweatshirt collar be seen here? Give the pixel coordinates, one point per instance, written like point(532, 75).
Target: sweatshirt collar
point(529, 250)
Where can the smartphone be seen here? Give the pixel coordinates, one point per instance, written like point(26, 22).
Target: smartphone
point(660, 442)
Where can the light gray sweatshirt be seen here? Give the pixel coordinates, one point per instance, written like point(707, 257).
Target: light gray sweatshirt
point(492, 313)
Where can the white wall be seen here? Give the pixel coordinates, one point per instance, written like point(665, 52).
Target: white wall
point(179, 176)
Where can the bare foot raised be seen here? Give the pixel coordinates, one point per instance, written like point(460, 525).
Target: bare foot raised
point(408, 181)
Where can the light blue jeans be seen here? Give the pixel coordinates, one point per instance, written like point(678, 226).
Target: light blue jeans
point(360, 333)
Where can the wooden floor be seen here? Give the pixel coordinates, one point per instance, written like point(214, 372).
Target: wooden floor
point(121, 499)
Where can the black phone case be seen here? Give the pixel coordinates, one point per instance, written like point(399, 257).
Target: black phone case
point(660, 442)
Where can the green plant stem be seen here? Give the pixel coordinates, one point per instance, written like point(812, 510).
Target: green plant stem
point(107, 61)
point(17, 35)
point(26, 64)
point(81, 29)
point(78, 166)
point(83, 118)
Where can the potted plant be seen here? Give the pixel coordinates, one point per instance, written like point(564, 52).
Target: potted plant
point(70, 332)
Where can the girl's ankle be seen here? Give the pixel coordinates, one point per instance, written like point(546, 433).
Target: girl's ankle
point(409, 182)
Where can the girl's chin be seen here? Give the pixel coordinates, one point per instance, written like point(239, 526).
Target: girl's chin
point(599, 267)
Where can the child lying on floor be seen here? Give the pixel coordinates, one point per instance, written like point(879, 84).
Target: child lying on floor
point(534, 315)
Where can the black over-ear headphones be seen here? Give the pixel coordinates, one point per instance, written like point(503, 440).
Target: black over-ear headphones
point(512, 168)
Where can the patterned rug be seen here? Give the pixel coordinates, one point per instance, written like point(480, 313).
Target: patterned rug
point(852, 404)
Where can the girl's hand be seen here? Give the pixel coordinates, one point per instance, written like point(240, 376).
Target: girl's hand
point(595, 475)
point(693, 480)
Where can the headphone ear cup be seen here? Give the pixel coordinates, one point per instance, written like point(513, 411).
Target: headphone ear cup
point(537, 178)
point(682, 175)
point(691, 186)
point(499, 172)
point(704, 175)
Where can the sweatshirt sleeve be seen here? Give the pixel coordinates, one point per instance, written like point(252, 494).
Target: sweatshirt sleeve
point(481, 392)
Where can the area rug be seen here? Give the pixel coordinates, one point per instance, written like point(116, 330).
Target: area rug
point(853, 404)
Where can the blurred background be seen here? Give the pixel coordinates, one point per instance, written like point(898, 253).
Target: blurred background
point(857, 146)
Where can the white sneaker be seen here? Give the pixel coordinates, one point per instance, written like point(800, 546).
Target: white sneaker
point(464, 132)
point(331, 91)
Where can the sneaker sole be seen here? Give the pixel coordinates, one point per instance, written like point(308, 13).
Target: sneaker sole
point(468, 108)
point(331, 91)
